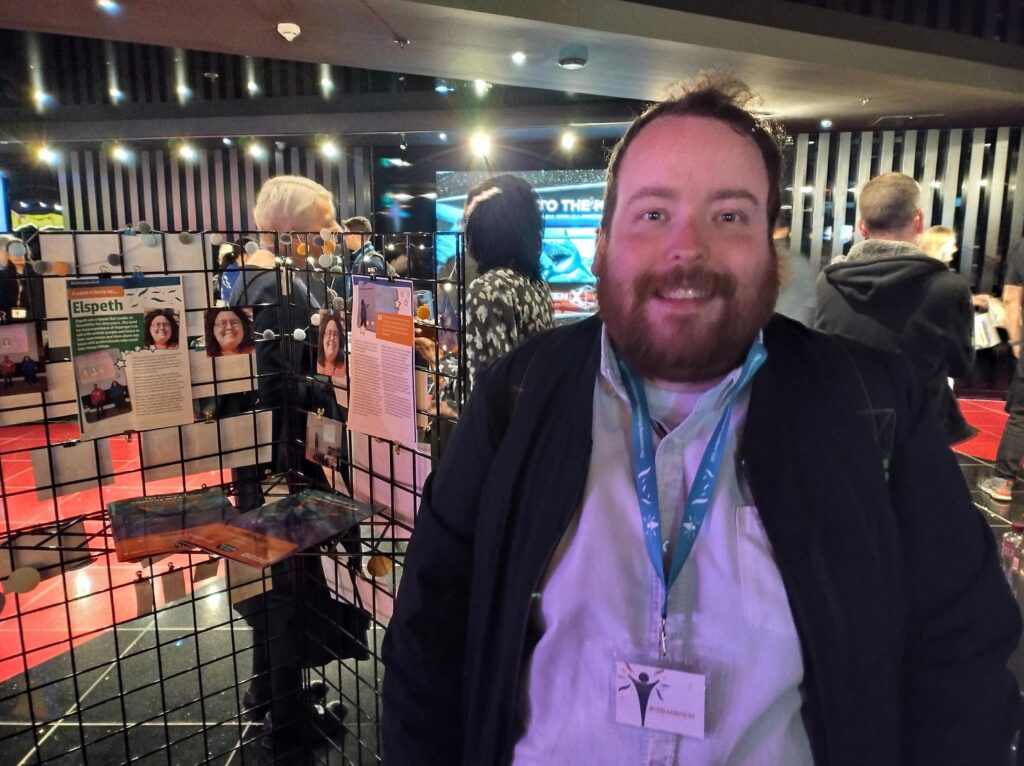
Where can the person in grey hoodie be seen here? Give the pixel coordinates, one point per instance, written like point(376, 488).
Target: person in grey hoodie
point(887, 293)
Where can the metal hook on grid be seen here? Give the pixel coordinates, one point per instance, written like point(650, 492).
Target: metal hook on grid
point(208, 417)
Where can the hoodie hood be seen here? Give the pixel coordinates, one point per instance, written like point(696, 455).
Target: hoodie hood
point(880, 271)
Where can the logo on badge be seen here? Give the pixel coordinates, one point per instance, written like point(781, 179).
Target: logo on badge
point(643, 684)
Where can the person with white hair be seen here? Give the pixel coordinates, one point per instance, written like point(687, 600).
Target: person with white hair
point(281, 303)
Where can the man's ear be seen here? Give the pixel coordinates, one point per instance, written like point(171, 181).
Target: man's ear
point(918, 222)
point(863, 229)
point(600, 253)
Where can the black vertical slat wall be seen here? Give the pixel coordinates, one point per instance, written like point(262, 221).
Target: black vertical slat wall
point(971, 180)
point(216, 192)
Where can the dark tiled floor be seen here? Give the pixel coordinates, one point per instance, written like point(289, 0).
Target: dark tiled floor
point(172, 699)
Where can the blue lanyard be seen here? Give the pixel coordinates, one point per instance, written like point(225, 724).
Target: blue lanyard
point(699, 498)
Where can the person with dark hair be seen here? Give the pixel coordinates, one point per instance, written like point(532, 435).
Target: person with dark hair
point(364, 259)
point(889, 294)
point(330, 347)
point(509, 301)
point(763, 519)
point(228, 332)
point(161, 329)
point(7, 368)
point(230, 267)
point(29, 368)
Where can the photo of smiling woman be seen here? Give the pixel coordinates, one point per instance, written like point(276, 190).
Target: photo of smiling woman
point(161, 326)
point(330, 353)
point(229, 332)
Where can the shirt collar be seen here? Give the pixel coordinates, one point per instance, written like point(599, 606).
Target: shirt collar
point(609, 371)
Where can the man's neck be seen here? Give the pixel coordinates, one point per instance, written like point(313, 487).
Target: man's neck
point(687, 386)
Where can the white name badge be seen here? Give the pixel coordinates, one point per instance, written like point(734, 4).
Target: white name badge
point(660, 699)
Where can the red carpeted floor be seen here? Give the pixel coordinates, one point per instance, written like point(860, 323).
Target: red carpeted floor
point(988, 416)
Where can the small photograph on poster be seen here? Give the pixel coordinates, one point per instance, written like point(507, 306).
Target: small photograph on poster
point(366, 312)
point(323, 440)
point(130, 373)
point(229, 331)
point(331, 352)
point(22, 365)
point(161, 328)
point(102, 384)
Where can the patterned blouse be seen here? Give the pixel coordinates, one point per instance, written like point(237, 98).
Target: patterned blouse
point(504, 308)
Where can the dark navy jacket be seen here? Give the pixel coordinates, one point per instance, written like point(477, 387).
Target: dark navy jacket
point(904, 618)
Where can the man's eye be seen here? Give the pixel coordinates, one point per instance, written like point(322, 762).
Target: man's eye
point(652, 215)
point(731, 217)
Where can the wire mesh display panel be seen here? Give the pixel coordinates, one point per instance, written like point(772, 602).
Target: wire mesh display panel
point(114, 653)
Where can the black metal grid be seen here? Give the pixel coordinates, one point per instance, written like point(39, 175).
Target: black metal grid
point(150, 666)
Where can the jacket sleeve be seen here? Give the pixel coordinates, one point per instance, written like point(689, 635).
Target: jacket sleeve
point(960, 329)
point(960, 700)
point(424, 649)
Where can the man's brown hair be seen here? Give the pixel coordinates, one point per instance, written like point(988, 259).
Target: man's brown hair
point(718, 97)
point(357, 225)
point(887, 203)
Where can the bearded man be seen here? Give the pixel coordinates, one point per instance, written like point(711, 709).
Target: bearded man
point(689, 532)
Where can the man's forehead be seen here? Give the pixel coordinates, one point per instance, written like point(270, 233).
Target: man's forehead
point(664, 144)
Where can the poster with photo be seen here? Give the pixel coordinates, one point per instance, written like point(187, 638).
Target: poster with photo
point(324, 439)
point(228, 331)
point(382, 401)
point(131, 368)
point(22, 359)
point(332, 352)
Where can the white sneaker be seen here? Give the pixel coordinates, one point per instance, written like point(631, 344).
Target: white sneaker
point(997, 488)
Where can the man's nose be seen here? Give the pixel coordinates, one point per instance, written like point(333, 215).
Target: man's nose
point(686, 239)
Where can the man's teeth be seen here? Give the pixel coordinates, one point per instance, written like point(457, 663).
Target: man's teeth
point(684, 293)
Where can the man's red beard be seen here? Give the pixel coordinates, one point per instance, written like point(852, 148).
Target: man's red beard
point(688, 348)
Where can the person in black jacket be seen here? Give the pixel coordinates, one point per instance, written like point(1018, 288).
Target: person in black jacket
point(839, 600)
point(889, 294)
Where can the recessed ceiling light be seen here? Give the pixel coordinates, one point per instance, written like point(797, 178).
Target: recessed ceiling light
point(480, 144)
point(186, 152)
point(443, 136)
point(329, 149)
point(108, 6)
point(120, 153)
point(481, 87)
point(256, 151)
point(826, 124)
point(518, 58)
point(47, 155)
point(568, 140)
point(573, 56)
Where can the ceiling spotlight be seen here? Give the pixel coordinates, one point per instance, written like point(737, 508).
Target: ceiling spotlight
point(573, 56)
point(480, 87)
point(226, 141)
point(518, 58)
point(568, 140)
point(443, 87)
point(186, 152)
point(183, 91)
point(403, 145)
point(480, 144)
point(45, 154)
point(825, 124)
point(256, 151)
point(120, 153)
point(401, 196)
point(58, 207)
point(41, 98)
point(443, 136)
point(252, 87)
point(429, 195)
point(116, 94)
point(108, 6)
point(329, 149)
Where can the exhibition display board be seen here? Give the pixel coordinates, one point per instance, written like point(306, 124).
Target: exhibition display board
point(165, 448)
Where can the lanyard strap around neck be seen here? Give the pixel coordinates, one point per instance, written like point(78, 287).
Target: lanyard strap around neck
point(645, 472)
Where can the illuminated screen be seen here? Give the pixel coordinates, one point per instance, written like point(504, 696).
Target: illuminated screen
point(572, 201)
